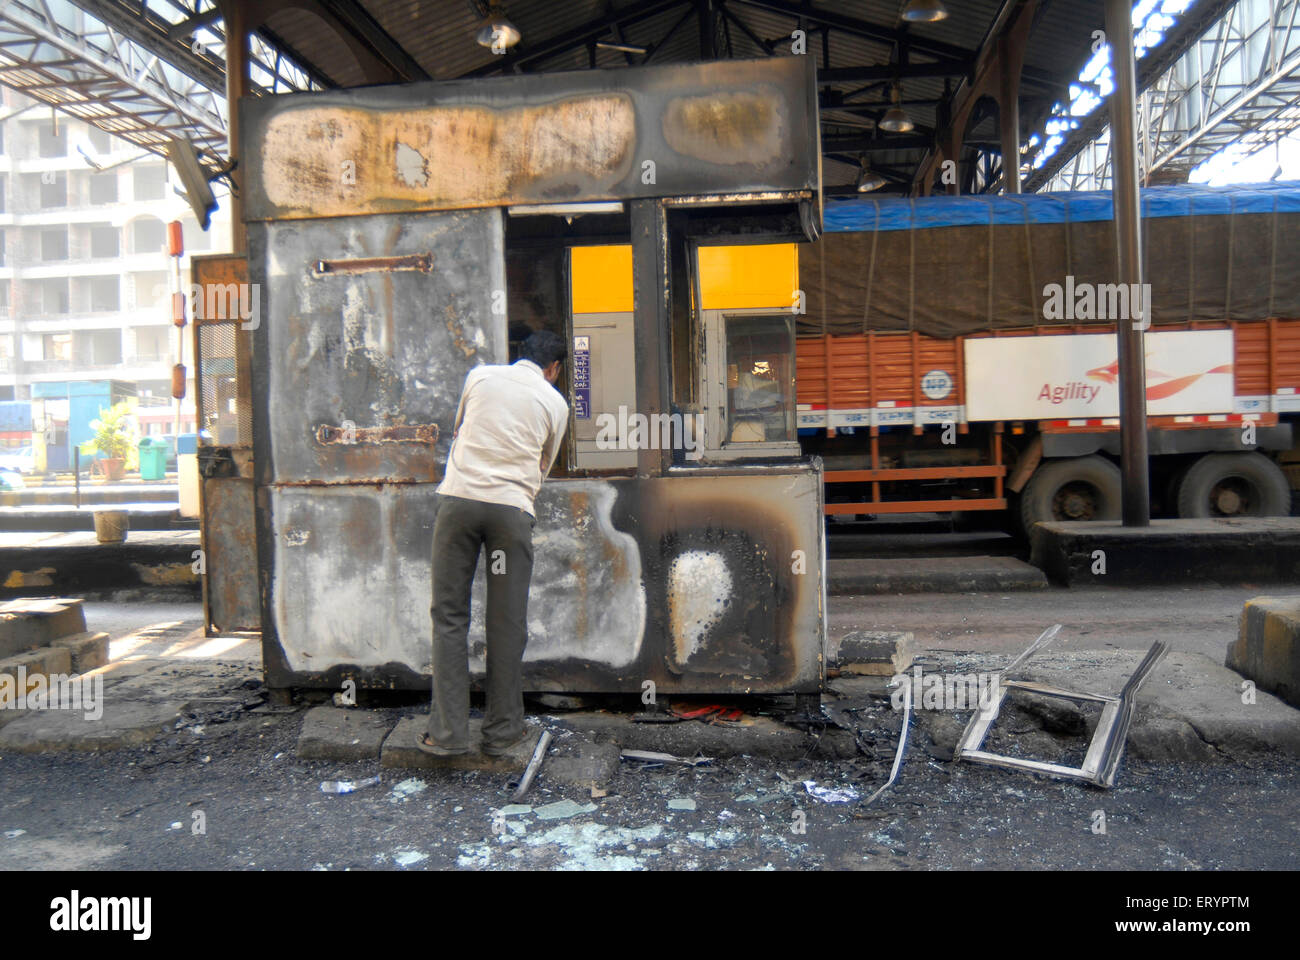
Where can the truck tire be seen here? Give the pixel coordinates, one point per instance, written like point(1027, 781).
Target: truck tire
point(1078, 488)
point(1234, 485)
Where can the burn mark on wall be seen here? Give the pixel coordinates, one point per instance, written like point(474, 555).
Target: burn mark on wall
point(738, 127)
point(559, 150)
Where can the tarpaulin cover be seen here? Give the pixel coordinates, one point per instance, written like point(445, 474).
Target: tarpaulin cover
point(947, 266)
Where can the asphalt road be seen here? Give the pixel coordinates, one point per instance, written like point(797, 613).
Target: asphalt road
point(1198, 619)
point(262, 808)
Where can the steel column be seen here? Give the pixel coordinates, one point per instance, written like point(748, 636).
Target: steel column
point(1010, 53)
point(236, 86)
point(1128, 248)
point(651, 318)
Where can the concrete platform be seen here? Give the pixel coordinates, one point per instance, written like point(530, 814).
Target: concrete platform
point(124, 723)
point(1267, 649)
point(65, 494)
point(72, 563)
point(342, 733)
point(399, 750)
point(47, 517)
point(847, 577)
point(1228, 551)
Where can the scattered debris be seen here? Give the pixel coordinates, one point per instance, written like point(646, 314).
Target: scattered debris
point(408, 857)
point(681, 803)
point(515, 809)
point(347, 786)
point(830, 794)
point(1106, 748)
point(14, 834)
point(535, 764)
point(562, 809)
point(902, 739)
point(650, 756)
point(655, 716)
point(407, 789)
point(710, 713)
point(597, 793)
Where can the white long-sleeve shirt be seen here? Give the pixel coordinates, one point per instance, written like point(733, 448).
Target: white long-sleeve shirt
point(508, 431)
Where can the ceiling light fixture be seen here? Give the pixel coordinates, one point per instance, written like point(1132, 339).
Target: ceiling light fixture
point(868, 179)
point(895, 119)
point(925, 11)
point(496, 32)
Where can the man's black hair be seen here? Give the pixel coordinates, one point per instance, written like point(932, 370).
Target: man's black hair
point(543, 348)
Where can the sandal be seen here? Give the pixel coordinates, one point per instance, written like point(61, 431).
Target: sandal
point(428, 746)
point(492, 750)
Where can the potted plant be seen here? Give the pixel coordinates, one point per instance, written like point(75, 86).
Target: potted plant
point(114, 439)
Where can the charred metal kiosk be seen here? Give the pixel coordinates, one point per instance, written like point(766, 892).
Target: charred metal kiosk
point(400, 236)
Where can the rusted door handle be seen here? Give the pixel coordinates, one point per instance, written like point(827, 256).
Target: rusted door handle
point(402, 433)
point(415, 261)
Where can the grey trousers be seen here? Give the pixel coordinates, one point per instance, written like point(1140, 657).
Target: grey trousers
point(462, 528)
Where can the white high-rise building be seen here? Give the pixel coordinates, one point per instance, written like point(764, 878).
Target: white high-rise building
point(85, 279)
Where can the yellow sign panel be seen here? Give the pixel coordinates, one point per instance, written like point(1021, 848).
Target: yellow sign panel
point(748, 277)
point(602, 279)
point(731, 278)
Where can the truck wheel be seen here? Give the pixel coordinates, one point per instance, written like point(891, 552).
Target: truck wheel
point(1080, 488)
point(1234, 485)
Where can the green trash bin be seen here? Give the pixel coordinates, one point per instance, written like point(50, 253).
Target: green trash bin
point(153, 459)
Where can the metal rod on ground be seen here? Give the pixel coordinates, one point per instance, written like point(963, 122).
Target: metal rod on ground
point(1128, 247)
point(535, 764)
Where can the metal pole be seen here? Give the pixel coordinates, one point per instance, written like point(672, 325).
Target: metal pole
point(652, 319)
point(237, 22)
point(1128, 247)
point(1009, 115)
point(76, 471)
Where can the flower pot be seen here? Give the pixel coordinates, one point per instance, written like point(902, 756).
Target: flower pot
point(114, 468)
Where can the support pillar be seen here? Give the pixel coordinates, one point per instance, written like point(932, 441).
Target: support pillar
point(236, 24)
point(651, 321)
point(1128, 246)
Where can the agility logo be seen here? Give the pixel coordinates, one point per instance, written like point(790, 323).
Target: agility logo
point(1169, 387)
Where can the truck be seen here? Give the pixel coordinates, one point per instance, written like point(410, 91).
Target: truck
point(984, 376)
point(958, 354)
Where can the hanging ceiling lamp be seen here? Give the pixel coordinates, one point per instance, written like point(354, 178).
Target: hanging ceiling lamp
point(868, 179)
point(925, 11)
point(895, 119)
point(497, 32)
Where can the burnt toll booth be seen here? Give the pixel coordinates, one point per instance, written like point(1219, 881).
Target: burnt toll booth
point(401, 235)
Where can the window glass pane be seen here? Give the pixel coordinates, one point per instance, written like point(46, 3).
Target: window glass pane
point(104, 294)
point(150, 182)
point(54, 193)
point(149, 235)
point(104, 241)
point(54, 243)
point(103, 188)
point(760, 379)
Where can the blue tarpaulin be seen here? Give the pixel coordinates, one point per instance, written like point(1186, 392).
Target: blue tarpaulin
point(857, 214)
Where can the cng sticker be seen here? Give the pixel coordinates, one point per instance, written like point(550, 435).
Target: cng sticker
point(582, 378)
point(936, 384)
